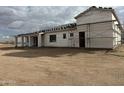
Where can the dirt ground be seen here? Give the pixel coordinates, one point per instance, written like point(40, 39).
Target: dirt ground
point(61, 66)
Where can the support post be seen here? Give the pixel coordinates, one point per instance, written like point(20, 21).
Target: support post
point(29, 42)
point(16, 40)
point(39, 40)
point(26, 41)
point(22, 41)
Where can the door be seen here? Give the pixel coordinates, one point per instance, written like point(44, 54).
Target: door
point(82, 39)
point(35, 41)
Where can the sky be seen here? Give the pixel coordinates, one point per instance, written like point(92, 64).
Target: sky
point(23, 19)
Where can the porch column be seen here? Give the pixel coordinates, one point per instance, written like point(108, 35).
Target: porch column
point(39, 40)
point(22, 39)
point(29, 42)
point(26, 41)
point(16, 40)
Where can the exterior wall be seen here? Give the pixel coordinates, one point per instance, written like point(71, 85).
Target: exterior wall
point(19, 42)
point(41, 39)
point(116, 35)
point(94, 16)
point(97, 35)
point(113, 18)
point(60, 42)
point(100, 35)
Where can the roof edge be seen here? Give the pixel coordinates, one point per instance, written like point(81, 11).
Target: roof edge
point(94, 8)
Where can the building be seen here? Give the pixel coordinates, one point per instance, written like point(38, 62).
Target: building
point(94, 28)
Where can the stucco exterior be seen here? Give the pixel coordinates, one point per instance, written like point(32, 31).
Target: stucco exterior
point(100, 27)
point(60, 42)
point(94, 16)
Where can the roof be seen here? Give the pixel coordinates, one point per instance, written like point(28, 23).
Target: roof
point(54, 29)
point(103, 9)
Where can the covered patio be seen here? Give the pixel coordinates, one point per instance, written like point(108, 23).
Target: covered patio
point(29, 40)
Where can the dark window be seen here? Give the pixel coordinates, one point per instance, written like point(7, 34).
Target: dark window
point(64, 36)
point(52, 38)
point(71, 34)
point(62, 28)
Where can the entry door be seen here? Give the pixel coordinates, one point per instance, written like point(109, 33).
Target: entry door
point(82, 39)
point(35, 41)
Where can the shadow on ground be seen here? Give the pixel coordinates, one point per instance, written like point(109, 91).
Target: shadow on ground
point(46, 52)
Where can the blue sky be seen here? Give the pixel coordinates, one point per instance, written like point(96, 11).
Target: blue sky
point(22, 19)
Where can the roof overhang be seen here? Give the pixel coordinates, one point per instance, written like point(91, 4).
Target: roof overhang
point(30, 34)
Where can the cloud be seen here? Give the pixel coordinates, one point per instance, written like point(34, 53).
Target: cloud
point(22, 19)
point(29, 18)
point(16, 25)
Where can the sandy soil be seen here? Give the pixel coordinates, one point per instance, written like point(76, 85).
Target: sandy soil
point(60, 66)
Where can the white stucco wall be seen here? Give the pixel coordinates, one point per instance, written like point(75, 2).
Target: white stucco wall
point(94, 16)
point(97, 35)
point(116, 35)
point(101, 35)
point(60, 42)
point(19, 42)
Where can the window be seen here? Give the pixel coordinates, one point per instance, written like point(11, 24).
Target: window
point(64, 36)
point(71, 34)
point(52, 38)
point(62, 28)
